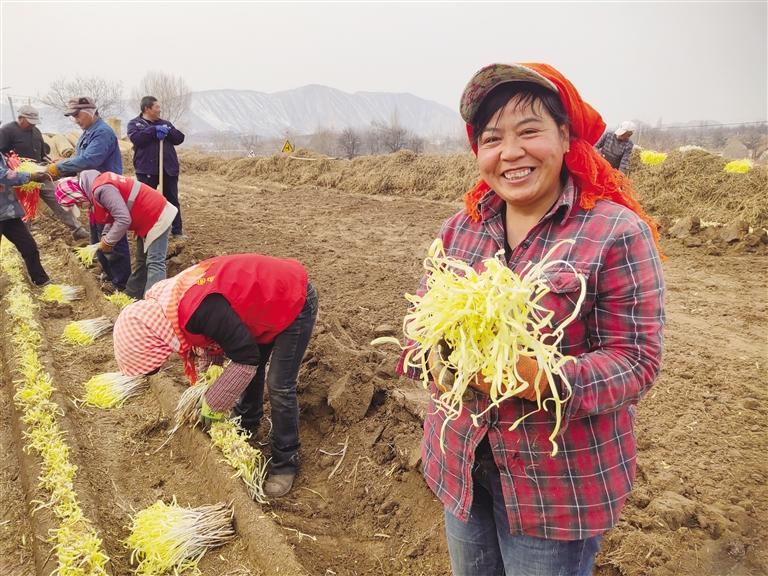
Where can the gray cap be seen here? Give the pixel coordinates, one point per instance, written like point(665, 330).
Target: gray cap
point(76, 104)
point(30, 113)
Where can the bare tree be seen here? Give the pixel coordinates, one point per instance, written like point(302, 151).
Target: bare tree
point(393, 136)
point(350, 142)
point(107, 95)
point(171, 91)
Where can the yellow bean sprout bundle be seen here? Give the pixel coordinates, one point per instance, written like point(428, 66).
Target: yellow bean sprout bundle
point(61, 293)
point(248, 462)
point(738, 166)
point(112, 389)
point(120, 299)
point(84, 332)
point(652, 158)
point(86, 254)
point(29, 167)
point(489, 320)
point(168, 537)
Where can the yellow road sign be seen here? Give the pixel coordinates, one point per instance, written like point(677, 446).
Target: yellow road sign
point(287, 147)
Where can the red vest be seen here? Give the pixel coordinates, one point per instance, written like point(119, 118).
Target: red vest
point(266, 293)
point(144, 202)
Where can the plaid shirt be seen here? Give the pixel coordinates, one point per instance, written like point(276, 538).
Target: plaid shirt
point(617, 153)
point(616, 342)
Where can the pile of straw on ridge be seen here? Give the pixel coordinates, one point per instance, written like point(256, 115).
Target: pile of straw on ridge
point(693, 183)
point(690, 183)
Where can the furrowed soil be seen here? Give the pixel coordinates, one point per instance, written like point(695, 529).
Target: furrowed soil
point(360, 506)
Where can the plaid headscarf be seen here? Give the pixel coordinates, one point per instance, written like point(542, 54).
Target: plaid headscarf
point(143, 338)
point(68, 192)
point(147, 332)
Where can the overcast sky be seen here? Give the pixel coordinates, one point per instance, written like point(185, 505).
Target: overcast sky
point(674, 61)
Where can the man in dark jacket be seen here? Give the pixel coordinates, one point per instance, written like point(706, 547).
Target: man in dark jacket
point(146, 131)
point(24, 138)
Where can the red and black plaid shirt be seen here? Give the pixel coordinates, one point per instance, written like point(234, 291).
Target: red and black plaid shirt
point(616, 342)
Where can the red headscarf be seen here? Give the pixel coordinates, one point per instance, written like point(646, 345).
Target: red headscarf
point(592, 174)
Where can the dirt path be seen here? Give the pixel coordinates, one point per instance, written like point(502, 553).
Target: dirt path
point(700, 495)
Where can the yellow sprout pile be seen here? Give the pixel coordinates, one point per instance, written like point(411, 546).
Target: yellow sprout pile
point(247, 461)
point(489, 320)
point(112, 389)
point(652, 158)
point(77, 546)
point(168, 537)
point(86, 254)
point(61, 293)
point(84, 332)
point(120, 299)
point(738, 166)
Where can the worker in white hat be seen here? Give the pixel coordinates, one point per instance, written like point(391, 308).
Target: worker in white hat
point(616, 146)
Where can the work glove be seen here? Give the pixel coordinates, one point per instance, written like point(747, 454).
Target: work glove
point(52, 171)
point(105, 246)
point(161, 131)
point(527, 368)
point(208, 415)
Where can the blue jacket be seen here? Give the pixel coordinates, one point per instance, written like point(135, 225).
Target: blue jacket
point(96, 149)
point(146, 146)
point(9, 204)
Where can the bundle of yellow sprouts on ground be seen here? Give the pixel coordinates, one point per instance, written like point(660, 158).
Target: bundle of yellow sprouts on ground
point(61, 293)
point(488, 320)
point(120, 299)
point(112, 389)
point(738, 166)
point(86, 254)
point(652, 158)
point(76, 544)
point(248, 462)
point(84, 332)
point(168, 537)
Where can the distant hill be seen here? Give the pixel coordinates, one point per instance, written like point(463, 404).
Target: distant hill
point(302, 110)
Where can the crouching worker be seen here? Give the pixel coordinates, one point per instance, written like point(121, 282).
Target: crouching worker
point(253, 308)
point(121, 204)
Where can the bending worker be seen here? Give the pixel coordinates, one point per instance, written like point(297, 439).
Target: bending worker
point(118, 204)
point(253, 308)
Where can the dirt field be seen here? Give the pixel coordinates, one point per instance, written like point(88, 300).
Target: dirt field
point(700, 500)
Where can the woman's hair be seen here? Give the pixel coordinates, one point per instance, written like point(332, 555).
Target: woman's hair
point(530, 94)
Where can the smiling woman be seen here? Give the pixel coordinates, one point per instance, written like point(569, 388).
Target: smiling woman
point(510, 504)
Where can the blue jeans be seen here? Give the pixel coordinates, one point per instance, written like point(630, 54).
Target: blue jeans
point(483, 546)
point(284, 355)
point(117, 264)
point(150, 266)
